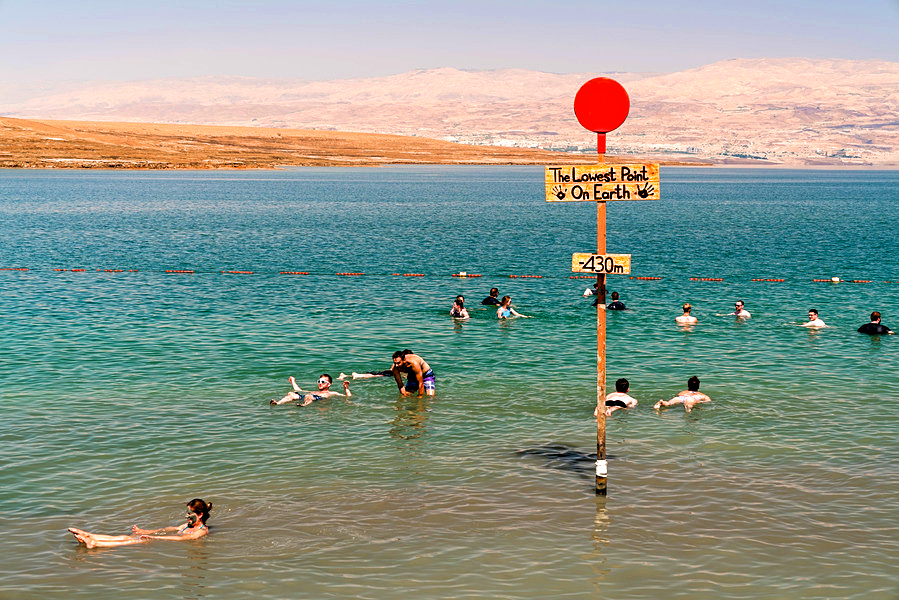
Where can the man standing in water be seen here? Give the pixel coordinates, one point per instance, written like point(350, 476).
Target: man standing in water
point(420, 377)
point(740, 310)
point(875, 327)
point(492, 299)
point(813, 319)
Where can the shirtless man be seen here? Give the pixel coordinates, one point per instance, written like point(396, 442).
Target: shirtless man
point(740, 310)
point(813, 320)
point(306, 398)
point(689, 397)
point(686, 318)
point(618, 399)
point(420, 377)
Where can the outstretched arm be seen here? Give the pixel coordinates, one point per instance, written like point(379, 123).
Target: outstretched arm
point(139, 531)
point(188, 534)
point(666, 403)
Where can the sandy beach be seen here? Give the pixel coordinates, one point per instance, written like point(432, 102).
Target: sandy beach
point(101, 145)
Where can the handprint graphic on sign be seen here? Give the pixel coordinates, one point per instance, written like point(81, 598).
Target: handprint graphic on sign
point(646, 191)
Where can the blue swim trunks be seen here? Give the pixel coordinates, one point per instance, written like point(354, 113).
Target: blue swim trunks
point(427, 377)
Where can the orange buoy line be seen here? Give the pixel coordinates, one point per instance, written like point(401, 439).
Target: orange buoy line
point(461, 274)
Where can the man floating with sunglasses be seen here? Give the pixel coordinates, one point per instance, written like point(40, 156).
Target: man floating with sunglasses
point(303, 398)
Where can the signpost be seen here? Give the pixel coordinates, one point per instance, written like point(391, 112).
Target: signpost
point(601, 105)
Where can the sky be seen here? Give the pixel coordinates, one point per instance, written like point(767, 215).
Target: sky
point(99, 40)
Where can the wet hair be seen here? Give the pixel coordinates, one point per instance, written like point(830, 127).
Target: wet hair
point(460, 300)
point(687, 307)
point(621, 385)
point(614, 295)
point(812, 310)
point(693, 384)
point(505, 298)
point(200, 508)
point(398, 354)
point(494, 292)
point(406, 351)
point(330, 381)
point(875, 316)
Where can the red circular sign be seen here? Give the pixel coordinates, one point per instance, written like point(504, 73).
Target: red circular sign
point(601, 105)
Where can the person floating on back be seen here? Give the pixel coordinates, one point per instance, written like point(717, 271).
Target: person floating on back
point(195, 527)
point(689, 397)
point(875, 327)
point(305, 398)
point(618, 399)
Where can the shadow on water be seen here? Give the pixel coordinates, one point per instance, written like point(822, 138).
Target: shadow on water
point(563, 458)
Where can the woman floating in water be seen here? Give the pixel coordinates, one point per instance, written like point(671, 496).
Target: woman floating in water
point(195, 527)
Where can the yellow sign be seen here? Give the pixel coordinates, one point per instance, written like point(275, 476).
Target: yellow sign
point(608, 264)
point(601, 183)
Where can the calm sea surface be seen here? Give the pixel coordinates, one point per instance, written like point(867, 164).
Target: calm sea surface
point(126, 394)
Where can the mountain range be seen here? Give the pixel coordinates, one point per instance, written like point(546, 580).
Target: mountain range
point(791, 112)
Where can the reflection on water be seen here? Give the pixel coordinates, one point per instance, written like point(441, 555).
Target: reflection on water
point(409, 424)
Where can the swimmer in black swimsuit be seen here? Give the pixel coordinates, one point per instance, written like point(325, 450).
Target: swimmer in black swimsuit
point(875, 327)
point(304, 398)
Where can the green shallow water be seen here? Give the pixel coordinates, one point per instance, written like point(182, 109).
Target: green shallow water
point(126, 394)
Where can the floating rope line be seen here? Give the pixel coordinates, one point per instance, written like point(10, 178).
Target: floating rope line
point(459, 275)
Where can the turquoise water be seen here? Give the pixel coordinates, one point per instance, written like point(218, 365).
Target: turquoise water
point(126, 394)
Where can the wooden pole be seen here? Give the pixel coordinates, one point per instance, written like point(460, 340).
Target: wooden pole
point(601, 466)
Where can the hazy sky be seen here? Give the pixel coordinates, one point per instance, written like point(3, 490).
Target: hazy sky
point(76, 40)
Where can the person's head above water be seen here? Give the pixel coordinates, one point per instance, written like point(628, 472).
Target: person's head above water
point(687, 307)
point(693, 384)
point(506, 300)
point(494, 292)
point(622, 385)
point(460, 300)
point(199, 508)
point(875, 317)
point(324, 381)
point(399, 357)
point(614, 296)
